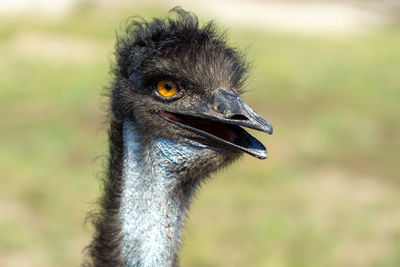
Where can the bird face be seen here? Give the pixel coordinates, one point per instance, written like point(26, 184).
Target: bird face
point(182, 82)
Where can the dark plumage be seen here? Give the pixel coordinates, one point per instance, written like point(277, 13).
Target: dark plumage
point(161, 147)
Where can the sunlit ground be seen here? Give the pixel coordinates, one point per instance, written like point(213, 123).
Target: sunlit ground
point(328, 195)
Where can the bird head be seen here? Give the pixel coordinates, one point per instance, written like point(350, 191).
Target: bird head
point(178, 80)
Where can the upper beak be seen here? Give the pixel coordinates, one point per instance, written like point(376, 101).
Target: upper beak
point(231, 108)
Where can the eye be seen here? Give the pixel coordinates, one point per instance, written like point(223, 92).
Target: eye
point(167, 88)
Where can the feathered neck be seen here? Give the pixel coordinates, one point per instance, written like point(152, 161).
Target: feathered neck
point(147, 191)
point(153, 201)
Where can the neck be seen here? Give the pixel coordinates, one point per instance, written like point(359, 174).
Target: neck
point(148, 189)
point(153, 201)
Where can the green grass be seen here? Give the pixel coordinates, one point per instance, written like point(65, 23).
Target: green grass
point(327, 196)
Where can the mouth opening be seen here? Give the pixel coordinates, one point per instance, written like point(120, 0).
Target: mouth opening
point(227, 133)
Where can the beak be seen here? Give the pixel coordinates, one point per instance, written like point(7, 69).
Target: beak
point(234, 110)
point(221, 120)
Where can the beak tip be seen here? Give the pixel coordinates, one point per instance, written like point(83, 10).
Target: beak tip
point(262, 155)
point(269, 129)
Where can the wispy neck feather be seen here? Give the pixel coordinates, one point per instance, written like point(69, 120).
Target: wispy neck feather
point(153, 204)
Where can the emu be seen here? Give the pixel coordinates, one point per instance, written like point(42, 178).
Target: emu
point(175, 117)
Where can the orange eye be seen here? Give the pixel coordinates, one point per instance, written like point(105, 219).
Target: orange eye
point(167, 88)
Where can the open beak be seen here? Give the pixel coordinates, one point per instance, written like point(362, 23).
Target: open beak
point(222, 120)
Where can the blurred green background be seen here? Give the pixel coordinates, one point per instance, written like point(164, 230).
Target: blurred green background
point(328, 195)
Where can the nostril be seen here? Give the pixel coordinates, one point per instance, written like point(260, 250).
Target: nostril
point(238, 117)
point(219, 108)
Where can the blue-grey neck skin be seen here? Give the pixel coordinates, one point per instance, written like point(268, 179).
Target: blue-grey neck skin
point(152, 210)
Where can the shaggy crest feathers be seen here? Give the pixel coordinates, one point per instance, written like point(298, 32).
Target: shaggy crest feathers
point(180, 36)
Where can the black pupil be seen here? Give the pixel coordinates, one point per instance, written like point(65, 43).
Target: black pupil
point(168, 86)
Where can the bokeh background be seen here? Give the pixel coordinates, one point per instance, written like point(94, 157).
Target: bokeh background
point(326, 75)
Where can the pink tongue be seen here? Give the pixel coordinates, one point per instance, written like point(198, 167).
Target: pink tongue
point(171, 116)
point(215, 128)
